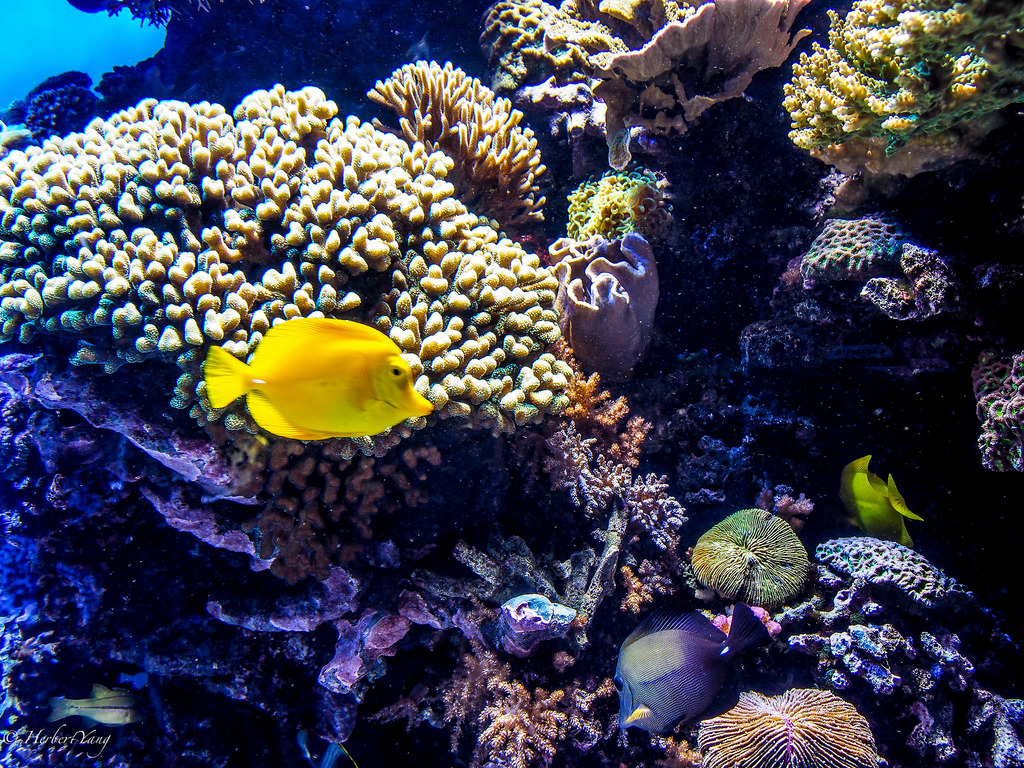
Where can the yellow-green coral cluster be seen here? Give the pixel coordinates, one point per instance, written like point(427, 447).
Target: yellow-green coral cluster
point(912, 78)
point(497, 163)
point(171, 227)
point(618, 203)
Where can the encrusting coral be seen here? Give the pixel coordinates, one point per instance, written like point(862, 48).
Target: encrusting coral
point(802, 727)
point(998, 382)
point(909, 85)
point(751, 556)
point(497, 164)
point(168, 228)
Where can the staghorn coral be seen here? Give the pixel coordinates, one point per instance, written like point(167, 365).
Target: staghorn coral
point(802, 727)
point(171, 227)
point(497, 164)
point(616, 204)
point(997, 388)
point(751, 556)
point(882, 563)
point(607, 296)
point(907, 86)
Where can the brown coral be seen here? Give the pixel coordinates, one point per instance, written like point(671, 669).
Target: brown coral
point(802, 727)
point(497, 164)
point(522, 728)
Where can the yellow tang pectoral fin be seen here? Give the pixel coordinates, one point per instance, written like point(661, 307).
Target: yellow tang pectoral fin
point(897, 501)
point(267, 415)
point(638, 714)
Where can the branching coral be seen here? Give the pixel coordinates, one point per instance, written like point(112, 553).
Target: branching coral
point(520, 728)
point(497, 164)
point(907, 86)
point(170, 227)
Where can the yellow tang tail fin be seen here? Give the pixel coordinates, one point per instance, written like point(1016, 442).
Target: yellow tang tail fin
point(227, 377)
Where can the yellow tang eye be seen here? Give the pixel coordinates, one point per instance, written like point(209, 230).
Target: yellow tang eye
point(396, 372)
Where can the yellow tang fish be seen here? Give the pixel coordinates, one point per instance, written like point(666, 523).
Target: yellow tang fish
point(315, 378)
point(874, 506)
point(109, 706)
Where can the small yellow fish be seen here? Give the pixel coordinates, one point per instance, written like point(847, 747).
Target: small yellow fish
point(109, 706)
point(315, 378)
point(876, 507)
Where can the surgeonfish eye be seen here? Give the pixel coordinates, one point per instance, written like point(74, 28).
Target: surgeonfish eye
point(617, 682)
point(396, 372)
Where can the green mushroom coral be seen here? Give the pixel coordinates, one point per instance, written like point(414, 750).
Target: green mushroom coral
point(751, 556)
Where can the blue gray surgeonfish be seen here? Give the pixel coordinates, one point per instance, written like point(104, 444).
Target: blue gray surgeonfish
point(672, 667)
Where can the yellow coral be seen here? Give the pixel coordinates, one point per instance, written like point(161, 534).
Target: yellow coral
point(497, 164)
point(616, 204)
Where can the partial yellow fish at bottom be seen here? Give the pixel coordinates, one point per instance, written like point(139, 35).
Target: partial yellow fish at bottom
point(316, 378)
point(874, 506)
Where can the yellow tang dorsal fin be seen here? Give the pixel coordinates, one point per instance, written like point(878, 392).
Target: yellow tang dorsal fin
point(897, 501)
point(100, 691)
point(270, 419)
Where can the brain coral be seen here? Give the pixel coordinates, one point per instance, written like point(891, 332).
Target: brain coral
point(998, 382)
point(853, 249)
point(170, 227)
point(888, 563)
point(907, 85)
point(497, 164)
point(801, 728)
point(751, 556)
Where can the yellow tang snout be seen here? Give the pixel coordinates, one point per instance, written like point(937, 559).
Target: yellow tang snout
point(393, 384)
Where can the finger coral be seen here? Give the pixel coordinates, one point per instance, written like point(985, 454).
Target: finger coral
point(497, 164)
point(802, 727)
point(751, 556)
point(907, 86)
point(171, 227)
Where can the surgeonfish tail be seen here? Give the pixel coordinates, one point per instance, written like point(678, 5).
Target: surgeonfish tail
point(227, 377)
point(745, 631)
point(58, 709)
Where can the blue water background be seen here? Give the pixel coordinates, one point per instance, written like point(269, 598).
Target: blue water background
point(89, 42)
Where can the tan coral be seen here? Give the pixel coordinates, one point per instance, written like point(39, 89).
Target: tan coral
point(497, 163)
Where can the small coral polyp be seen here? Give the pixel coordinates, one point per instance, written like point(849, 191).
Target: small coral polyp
point(172, 227)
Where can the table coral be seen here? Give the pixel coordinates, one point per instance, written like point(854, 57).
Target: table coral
point(171, 227)
point(886, 563)
point(497, 163)
point(658, 64)
point(801, 727)
point(907, 86)
point(751, 556)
